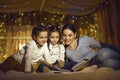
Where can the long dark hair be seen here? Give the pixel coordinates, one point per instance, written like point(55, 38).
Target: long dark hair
point(54, 28)
point(73, 29)
point(37, 29)
point(69, 26)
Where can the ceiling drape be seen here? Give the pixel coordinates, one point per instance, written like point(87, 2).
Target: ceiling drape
point(67, 7)
point(110, 22)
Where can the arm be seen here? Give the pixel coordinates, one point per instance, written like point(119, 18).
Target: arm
point(92, 42)
point(61, 60)
point(28, 57)
point(61, 53)
point(51, 65)
point(47, 56)
point(88, 54)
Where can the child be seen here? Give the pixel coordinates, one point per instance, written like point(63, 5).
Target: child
point(57, 50)
point(31, 54)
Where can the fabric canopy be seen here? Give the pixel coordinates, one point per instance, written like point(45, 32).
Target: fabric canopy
point(69, 7)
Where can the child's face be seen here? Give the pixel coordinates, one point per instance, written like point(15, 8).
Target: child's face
point(54, 37)
point(42, 38)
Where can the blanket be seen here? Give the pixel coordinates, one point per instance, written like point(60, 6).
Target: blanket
point(86, 74)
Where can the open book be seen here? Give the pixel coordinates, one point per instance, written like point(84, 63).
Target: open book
point(80, 65)
point(75, 69)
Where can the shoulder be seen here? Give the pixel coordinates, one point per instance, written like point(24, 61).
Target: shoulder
point(84, 40)
point(62, 47)
point(31, 43)
point(85, 37)
point(45, 45)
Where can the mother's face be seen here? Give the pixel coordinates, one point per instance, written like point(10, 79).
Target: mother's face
point(68, 36)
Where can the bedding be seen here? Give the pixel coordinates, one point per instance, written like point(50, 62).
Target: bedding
point(86, 74)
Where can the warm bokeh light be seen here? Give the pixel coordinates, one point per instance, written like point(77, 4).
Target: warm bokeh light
point(15, 28)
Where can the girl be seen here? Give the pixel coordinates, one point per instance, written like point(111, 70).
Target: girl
point(31, 54)
point(56, 49)
point(79, 49)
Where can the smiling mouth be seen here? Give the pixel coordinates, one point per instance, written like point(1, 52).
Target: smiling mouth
point(67, 41)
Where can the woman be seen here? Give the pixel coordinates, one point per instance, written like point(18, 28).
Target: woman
point(79, 49)
point(30, 55)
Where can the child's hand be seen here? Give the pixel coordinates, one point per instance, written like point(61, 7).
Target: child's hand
point(50, 65)
point(61, 64)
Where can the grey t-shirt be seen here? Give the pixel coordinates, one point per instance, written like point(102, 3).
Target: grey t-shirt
point(83, 50)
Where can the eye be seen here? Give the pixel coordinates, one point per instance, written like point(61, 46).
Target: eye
point(64, 35)
point(70, 35)
point(57, 37)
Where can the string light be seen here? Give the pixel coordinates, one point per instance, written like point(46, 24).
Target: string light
point(86, 24)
